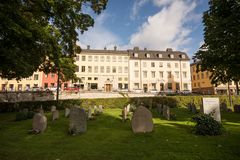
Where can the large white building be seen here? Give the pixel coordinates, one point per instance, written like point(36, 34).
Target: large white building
point(114, 70)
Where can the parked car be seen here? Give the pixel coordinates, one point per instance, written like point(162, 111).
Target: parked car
point(54, 89)
point(37, 89)
point(72, 89)
point(186, 92)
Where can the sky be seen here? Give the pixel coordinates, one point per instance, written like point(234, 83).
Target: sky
point(151, 24)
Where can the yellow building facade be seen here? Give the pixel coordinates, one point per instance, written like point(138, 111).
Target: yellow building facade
point(201, 83)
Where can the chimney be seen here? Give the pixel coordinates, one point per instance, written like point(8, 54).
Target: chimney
point(105, 48)
point(136, 48)
point(88, 46)
point(145, 49)
point(115, 48)
point(169, 50)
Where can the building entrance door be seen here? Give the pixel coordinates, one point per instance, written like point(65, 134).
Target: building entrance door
point(108, 87)
point(161, 87)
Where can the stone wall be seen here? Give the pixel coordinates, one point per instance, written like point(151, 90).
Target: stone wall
point(25, 96)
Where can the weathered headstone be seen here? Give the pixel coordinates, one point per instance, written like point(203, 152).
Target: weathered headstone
point(211, 106)
point(89, 114)
point(100, 107)
point(128, 107)
point(159, 108)
point(166, 112)
point(67, 112)
point(223, 107)
point(236, 108)
point(77, 121)
point(55, 115)
point(142, 120)
point(53, 108)
point(39, 123)
point(124, 114)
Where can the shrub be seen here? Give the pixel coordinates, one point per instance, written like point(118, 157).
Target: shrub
point(21, 116)
point(30, 114)
point(206, 125)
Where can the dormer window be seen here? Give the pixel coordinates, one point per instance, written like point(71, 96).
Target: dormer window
point(183, 56)
point(159, 55)
point(147, 55)
point(135, 54)
point(171, 56)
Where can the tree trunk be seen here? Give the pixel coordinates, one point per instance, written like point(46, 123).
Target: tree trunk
point(229, 95)
point(237, 88)
point(58, 85)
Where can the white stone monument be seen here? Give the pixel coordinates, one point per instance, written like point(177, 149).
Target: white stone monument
point(211, 105)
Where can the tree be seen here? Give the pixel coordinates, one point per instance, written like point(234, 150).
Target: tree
point(35, 34)
point(221, 53)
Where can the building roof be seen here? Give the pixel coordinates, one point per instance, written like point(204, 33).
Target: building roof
point(169, 54)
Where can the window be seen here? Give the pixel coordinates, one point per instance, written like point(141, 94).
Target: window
point(83, 78)
point(169, 74)
point(11, 86)
point(108, 69)
point(102, 69)
point(135, 54)
point(199, 84)
point(170, 86)
point(202, 75)
point(144, 64)
point(120, 85)
point(77, 69)
point(95, 69)
point(125, 79)
point(83, 58)
point(108, 59)
point(35, 76)
point(125, 59)
point(144, 74)
point(136, 85)
point(147, 55)
point(95, 58)
point(152, 64)
point(184, 65)
point(176, 74)
point(125, 69)
point(45, 75)
point(120, 79)
point(161, 74)
point(183, 56)
point(207, 74)
point(83, 69)
point(177, 86)
point(169, 65)
point(176, 65)
point(114, 69)
point(114, 59)
point(160, 64)
point(52, 75)
point(102, 58)
point(89, 78)
point(185, 86)
point(153, 85)
point(136, 74)
point(45, 85)
point(89, 69)
point(193, 77)
point(136, 64)
point(19, 87)
point(119, 69)
point(77, 58)
point(184, 74)
point(194, 85)
point(171, 56)
point(159, 55)
point(198, 77)
point(119, 59)
point(95, 78)
point(153, 74)
point(89, 58)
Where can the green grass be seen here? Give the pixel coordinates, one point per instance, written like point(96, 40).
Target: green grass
point(108, 137)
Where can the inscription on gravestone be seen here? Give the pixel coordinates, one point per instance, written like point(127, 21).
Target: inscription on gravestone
point(211, 106)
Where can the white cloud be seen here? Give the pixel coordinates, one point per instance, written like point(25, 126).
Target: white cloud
point(136, 7)
point(99, 36)
point(167, 28)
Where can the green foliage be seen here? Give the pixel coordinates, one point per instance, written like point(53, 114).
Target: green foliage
point(21, 116)
point(206, 125)
point(221, 52)
point(38, 33)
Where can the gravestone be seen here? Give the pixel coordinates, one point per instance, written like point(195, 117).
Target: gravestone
point(100, 107)
point(166, 112)
point(142, 120)
point(67, 112)
point(55, 115)
point(211, 106)
point(128, 107)
point(236, 108)
point(53, 108)
point(77, 120)
point(39, 123)
point(193, 108)
point(89, 114)
point(159, 108)
point(124, 114)
point(223, 107)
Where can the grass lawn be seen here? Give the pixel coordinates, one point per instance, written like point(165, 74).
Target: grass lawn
point(109, 138)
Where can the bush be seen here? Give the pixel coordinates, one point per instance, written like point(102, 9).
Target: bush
point(21, 116)
point(206, 125)
point(30, 114)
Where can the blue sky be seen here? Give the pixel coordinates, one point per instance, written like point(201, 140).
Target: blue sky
point(151, 24)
